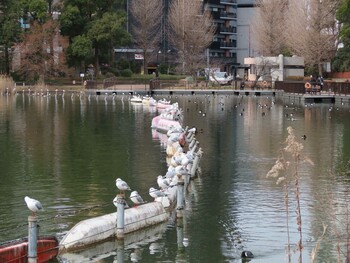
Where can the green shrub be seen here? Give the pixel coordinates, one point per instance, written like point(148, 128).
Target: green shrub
point(109, 75)
point(126, 73)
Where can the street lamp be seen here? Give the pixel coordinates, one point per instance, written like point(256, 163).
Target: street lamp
point(159, 52)
point(167, 59)
point(157, 70)
point(82, 75)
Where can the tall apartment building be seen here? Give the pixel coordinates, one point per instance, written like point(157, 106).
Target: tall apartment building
point(233, 40)
point(223, 51)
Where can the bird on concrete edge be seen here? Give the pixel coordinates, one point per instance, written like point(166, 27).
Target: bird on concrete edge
point(136, 198)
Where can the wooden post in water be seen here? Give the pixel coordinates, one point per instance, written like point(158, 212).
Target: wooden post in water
point(32, 238)
point(180, 197)
point(120, 216)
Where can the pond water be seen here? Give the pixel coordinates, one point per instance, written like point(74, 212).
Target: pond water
point(67, 150)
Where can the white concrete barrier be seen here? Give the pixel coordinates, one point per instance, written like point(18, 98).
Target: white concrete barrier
point(103, 227)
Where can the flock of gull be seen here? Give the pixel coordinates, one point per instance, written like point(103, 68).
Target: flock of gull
point(135, 197)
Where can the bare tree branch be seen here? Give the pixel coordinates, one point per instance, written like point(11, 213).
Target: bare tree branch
point(313, 30)
point(146, 25)
point(269, 25)
point(192, 31)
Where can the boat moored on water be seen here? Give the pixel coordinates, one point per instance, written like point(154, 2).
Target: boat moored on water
point(163, 104)
point(170, 118)
point(16, 251)
point(136, 99)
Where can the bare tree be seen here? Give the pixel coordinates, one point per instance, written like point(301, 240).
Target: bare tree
point(269, 25)
point(146, 25)
point(37, 60)
point(192, 31)
point(313, 31)
point(265, 69)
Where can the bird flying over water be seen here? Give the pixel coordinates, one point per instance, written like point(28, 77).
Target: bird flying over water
point(121, 185)
point(33, 205)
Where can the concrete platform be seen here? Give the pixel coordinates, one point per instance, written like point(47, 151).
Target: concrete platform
point(183, 92)
point(324, 97)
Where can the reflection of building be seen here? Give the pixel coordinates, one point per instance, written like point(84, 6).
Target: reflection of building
point(274, 68)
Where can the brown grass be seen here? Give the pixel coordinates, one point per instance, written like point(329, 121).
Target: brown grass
point(7, 86)
point(285, 170)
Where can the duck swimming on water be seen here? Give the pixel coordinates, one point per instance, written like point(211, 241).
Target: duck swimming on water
point(247, 255)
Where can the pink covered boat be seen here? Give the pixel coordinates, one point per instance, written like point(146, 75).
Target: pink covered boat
point(163, 104)
point(170, 118)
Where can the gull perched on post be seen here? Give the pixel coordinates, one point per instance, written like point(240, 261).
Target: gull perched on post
point(136, 198)
point(121, 185)
point(33, 205)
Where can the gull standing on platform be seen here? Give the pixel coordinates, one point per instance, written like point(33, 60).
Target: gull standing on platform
point(33, 205)
point(136, 198)
point(162, 183)
point(155, 193)
point(121, 185)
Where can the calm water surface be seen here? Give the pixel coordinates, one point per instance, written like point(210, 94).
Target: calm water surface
point(68, 150)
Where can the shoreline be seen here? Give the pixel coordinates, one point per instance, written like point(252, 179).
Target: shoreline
point(144, 90)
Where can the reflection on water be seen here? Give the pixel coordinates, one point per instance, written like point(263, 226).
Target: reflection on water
point(133, 246)
point(67, 150)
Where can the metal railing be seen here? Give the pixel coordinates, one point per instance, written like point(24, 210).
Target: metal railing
point(336, 88)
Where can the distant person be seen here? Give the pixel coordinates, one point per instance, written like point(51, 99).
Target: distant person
point(312, 80)
point(242, 85)
point(319, 82)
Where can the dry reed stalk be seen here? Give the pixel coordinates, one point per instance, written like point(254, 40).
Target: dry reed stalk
point(280, 171)
point(6, 85)
point(340, 214)
point(316, 248)
point(40, 86)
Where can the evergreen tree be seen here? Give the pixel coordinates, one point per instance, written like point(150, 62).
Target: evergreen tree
point(99, 25)
point(341, 62)
point(10, 31)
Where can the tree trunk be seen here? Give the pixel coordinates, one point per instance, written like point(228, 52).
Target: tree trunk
point(97, 61)
point(145, 61)
point(7, 60)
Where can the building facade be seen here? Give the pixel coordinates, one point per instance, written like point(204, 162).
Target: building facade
point(222, 53)
point(233, 40)
point(277, 68)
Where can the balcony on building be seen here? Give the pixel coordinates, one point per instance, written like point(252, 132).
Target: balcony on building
point(228, 2)
point(228, 44)
point(228, 15)
point(227, 30)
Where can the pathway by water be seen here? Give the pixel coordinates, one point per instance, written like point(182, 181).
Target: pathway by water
point(68, 150)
